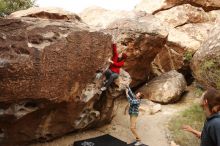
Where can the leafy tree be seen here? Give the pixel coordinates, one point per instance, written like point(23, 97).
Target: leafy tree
point(9, 6)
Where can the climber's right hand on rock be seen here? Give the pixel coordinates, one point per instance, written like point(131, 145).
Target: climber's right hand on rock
point(110, 61)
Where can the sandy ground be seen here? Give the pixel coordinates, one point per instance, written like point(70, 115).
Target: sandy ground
point(151, 128)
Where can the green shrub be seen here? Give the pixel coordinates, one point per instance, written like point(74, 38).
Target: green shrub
point(208, 64)
point(198, 92)
point(210, 71)
point(9, 6)
point(188, 56)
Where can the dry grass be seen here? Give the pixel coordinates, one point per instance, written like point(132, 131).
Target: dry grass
point(193, 116)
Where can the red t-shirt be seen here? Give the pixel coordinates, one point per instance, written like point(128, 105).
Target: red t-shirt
point(116, 65)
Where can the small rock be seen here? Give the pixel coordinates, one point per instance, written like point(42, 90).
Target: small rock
point(46, 13)
point(173, 144)
point(154, 109)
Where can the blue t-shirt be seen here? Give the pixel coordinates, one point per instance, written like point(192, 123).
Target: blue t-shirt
point(211, 131)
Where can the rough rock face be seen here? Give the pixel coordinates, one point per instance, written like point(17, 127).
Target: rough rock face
point(184, 39)
point(183, 14)
point(158, 5)
point(176, 53)
point(142, 37)
point(215, 14)
point(101, 18)
point(47, 79)
point(175, 46)
point(166, 88)
point(150, 6)
point(207, 5)
point(198, 31)
point(46, 13)
point(180, 47)
point(190, 25)
point(138, 41)
point(107, 100)
point(135, 33)
point(206, 61)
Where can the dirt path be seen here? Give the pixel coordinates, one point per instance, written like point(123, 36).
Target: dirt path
point(152, 128)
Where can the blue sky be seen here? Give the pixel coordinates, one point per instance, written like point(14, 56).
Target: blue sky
point(79, 5)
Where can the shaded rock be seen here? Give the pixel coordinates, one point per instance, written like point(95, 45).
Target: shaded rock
point(192, 25)
point(135, 33)
point(183, 14)
point(172, 57)
point(47, 79)
point(181, 44)
point(137, 39)
point(205, 62)
point(122, 82)
point(107, 101)
point(166, 88)
point(46, 13)
point(206, 5)
point(100, 18)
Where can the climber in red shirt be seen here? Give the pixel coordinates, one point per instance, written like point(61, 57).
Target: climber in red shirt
point(113, 71)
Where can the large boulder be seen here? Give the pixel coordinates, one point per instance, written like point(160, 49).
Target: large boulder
point(190, 26)
point(205, 62)
point(47, 79)
point(106, 102)
point(182, 43)
point(198, 31)
point(100, 18)
point(142, 40)
point(155, 6)
point(166, 88)
point(183, 14)
point(135, 33)
point(207, 5)
point(46, 13)
point(150, 6)
point(176, 53)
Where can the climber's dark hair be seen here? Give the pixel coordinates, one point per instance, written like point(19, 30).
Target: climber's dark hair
point(213, 98)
